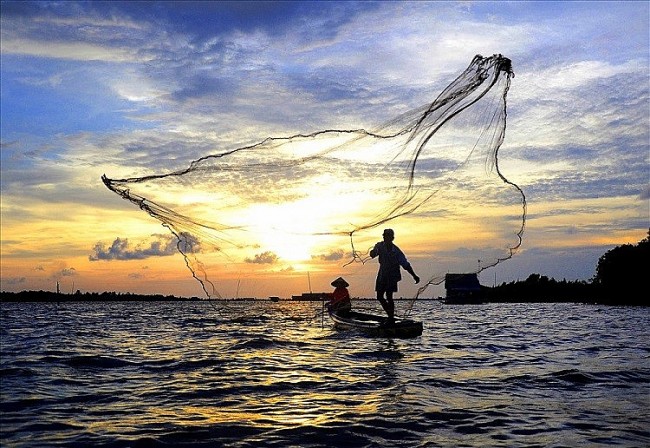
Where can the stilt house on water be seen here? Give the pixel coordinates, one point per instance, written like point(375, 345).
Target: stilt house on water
point(463, 288)
point(311, 296)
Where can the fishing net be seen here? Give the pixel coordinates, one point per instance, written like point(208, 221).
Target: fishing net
point(319, 201)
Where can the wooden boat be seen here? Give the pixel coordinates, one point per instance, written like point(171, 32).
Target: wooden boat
point(374, 325)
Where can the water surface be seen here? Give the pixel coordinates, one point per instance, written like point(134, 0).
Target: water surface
point(258, 374)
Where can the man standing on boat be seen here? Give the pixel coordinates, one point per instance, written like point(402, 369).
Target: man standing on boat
point(390, 259)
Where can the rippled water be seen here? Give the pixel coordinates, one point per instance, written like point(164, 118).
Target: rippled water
point(270, 374)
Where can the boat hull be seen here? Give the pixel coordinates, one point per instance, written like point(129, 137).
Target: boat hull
point(373, 325)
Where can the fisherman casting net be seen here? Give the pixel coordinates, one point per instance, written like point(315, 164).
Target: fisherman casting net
point(322, 199)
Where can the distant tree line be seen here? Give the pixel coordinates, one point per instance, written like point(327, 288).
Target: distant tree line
point(49, 296)
point(621, 279)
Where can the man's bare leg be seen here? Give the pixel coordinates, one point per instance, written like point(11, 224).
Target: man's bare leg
point(390, 310)
point(384, 303)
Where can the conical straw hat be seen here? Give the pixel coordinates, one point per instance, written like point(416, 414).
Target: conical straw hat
point(340, 282)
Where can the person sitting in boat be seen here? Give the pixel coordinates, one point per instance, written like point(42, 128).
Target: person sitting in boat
point(340, 299)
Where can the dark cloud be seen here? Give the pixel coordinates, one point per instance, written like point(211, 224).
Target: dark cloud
point(63, 272)
point(204, 20)
point(138, 275)
point(162, 246)
point(187, 243)
point(332, 256)
point(21, 9)
point(11, 281)
point(68, 272)
point(202, 85)
point(263, 258)
point(7, 145)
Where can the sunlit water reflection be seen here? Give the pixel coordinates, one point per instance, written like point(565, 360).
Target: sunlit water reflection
point(276, 374)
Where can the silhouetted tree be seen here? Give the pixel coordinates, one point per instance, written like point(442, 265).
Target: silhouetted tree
point(622, 274)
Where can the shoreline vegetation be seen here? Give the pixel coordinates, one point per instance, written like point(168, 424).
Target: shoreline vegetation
point(619, 280)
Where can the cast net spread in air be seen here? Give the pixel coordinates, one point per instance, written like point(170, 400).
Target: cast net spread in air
point(318, 202)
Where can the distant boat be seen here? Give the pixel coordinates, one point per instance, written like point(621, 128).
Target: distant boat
point(374, 325)
point(274, 299)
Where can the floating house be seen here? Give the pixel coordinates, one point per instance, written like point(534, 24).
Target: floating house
point(311, 296)
point(463, 289)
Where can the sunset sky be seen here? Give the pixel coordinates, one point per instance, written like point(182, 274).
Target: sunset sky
point(139, 88)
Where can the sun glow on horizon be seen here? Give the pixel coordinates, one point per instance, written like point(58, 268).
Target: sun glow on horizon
point(294, 230)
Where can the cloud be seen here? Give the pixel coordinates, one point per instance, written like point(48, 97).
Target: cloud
point(63, 272)
point(120, 249)
point(12, 281)
point(188, 243)
point(139, 275)
point(68, 272)
point(332, 256)
point(263, 258)
point(66, 50)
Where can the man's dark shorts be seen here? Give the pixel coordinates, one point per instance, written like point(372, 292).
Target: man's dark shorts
point(385, 285)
